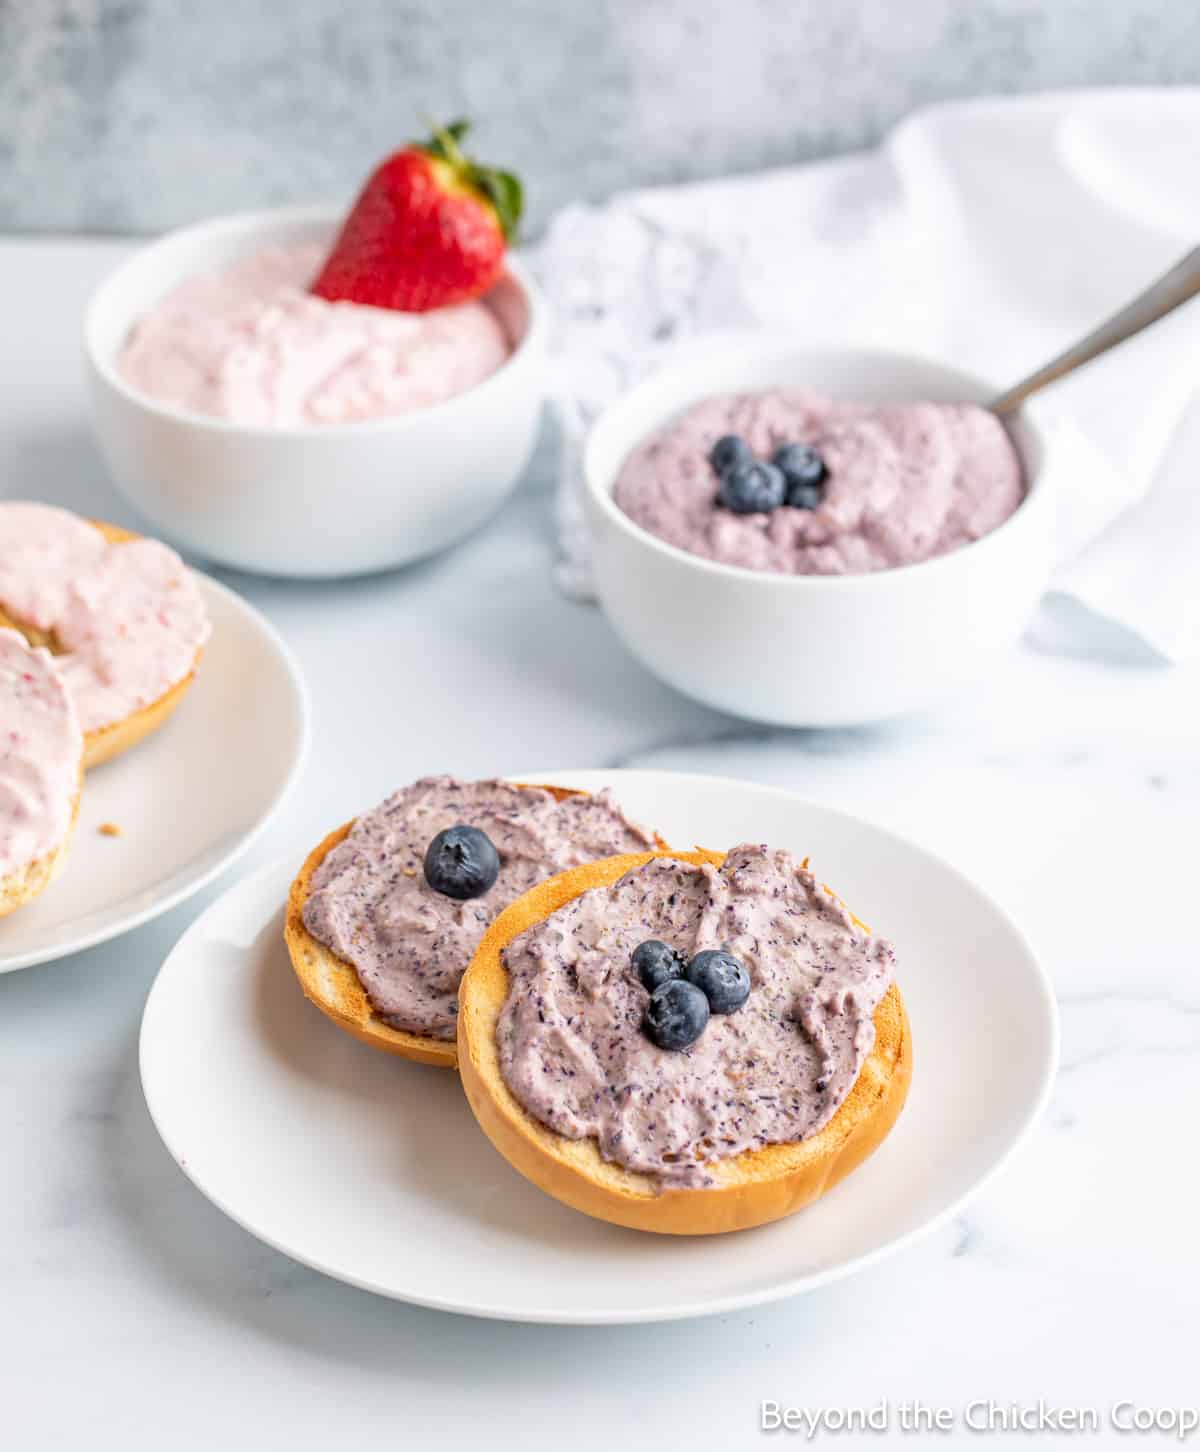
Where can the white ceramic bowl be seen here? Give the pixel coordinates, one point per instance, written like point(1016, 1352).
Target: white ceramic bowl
point(315, 500)
point(813, 650)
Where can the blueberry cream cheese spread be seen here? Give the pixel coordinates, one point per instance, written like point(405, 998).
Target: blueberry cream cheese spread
point(372, 903)
point(769, 1066)
point(797, 483)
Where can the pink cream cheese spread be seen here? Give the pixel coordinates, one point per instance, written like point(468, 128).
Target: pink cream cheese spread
point(370, 904)
point(128, 619)
point(904, 482)
point(251, 345)
point(41, 753)
point(574, 1053)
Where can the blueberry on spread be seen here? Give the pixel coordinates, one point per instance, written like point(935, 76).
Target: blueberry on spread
point(804, 470)
point(806, 496)
point(656, 963)
point(461, 862)
point(730, 449)
point(676, 1014)
point(723, 979)
point(801, 464)
point(752, 488)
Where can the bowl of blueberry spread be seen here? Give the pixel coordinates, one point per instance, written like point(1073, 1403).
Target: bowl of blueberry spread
point(818, 536)
point(689, 1013)
point(795, 482)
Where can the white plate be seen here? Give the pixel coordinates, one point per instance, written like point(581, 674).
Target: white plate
point(373, 1170)
point(189, 800)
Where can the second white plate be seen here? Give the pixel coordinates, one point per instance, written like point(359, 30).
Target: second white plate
point(188, 801)
point(373, 1169)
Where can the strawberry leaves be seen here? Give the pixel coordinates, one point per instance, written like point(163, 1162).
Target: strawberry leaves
point(501, 189)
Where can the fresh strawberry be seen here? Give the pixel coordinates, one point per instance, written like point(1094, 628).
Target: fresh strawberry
point(429, 229)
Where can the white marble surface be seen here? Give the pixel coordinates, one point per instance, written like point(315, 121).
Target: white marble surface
point(133, 1314)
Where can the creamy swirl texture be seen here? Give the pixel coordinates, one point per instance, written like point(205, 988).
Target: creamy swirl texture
point(572, 1047)
point(41, 748)
point(904, 482)
point(252, 345)
point(370, 904)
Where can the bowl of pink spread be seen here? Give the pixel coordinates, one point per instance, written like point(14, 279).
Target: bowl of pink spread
point(261, 426)
point(817, 536)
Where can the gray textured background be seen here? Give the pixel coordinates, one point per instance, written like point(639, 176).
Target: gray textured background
point(134, 115)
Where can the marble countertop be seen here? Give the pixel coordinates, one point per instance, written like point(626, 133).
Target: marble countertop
point(133, 1314)
point(185, 111)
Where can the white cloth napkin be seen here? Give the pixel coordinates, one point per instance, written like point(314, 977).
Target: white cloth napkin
point(990, 234)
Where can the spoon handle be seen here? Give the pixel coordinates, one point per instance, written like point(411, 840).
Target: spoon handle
point(1162, 297)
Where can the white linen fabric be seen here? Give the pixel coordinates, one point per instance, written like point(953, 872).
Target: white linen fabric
point(989, 234)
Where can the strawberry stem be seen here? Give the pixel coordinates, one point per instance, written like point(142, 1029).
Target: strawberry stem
point(501, 189)
point(446, 139)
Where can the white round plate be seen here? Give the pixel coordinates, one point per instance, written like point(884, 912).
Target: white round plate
point(372, 1169)
point(189, 800)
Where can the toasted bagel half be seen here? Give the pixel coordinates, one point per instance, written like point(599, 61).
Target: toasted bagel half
point(333, 984)
point(109, 741)
point(749, 1189)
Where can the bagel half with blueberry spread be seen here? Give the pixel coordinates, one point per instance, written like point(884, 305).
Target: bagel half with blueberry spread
point(686, 1043)
point(386, 912)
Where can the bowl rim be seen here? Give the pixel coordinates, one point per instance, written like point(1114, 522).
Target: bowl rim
point(765, 348)
point(262, 222)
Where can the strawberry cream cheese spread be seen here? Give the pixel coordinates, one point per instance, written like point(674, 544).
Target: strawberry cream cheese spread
point(252, 345)
point(572, 1040)
point(41, 748)
point(893, 484)
point(127, 619)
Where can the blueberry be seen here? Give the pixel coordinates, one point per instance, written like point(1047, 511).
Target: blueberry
point(729, 450)
point(804, 470)
point(753, 488)
point(800, 463)
point(676, 1014)
point(461, 862)
point(723, 979)
point(805, 496)
point(656, 963)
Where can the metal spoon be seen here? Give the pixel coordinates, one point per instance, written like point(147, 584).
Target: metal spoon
point(1161, 298)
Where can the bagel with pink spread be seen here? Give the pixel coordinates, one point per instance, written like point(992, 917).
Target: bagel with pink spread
point(123, 617)
point(41, 768)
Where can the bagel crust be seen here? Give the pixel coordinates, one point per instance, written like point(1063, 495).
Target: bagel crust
point(110, 741)
point(753, 1188)
point(333, 985)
